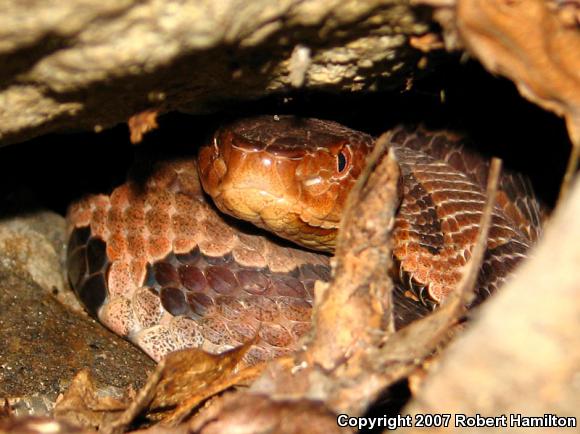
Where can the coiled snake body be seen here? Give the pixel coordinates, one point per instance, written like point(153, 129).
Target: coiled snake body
point(158, 264)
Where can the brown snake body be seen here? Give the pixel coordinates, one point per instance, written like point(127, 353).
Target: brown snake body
point(158, 264)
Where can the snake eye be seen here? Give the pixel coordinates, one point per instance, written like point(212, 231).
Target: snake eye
point(341, 161)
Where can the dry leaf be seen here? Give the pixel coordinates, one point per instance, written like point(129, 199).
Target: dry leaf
point(182, 381)
point(427, 42)
point(192, 377)
point(83, 404)
point(141, 123)
point(537, 48)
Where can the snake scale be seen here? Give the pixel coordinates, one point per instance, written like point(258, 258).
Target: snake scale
point(160, 264)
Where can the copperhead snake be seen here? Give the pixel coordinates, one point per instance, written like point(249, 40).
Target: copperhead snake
point(159, 264)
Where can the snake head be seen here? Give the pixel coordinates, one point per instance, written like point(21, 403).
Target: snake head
point(288, 175)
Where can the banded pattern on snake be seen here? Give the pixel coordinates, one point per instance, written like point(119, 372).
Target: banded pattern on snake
point(160, 265)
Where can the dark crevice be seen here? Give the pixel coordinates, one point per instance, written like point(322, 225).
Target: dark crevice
point(55, 169)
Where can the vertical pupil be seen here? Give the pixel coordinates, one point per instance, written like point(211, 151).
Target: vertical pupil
point(341, 162)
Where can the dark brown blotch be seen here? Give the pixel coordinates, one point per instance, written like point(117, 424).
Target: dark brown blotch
point(221, 280)
point(192, 278)
point(96, 255)
point(253, 281)
point(426, 222)
point(76, 265)
point(166, 274)
point(173, 301)
point(288, 286)
point(78, 237)
point(93, 293)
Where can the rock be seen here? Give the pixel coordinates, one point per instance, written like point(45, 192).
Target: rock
point(45, 343)
point(94, 63)
point(32, 245)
